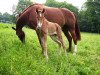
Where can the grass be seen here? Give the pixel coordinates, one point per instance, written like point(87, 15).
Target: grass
point(26, 59)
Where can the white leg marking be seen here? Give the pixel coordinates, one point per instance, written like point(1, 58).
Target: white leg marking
point(75, 49)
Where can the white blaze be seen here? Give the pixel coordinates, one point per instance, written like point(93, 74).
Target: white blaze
point(39, 22)
point(40, 15)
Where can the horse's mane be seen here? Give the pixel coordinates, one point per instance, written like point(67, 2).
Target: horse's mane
point(28, 7)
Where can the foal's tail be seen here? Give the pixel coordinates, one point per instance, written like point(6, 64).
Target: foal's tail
point(77, 30)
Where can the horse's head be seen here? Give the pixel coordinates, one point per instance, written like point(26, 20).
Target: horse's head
point(20, 34)
point(40, 17)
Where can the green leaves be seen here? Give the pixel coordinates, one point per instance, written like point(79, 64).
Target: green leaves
point(22, 4)
point(54, 3)
point(91, 16)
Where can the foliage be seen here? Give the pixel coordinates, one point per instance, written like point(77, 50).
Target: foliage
point(90, 17)
point(6, 17)
point(26, 59)
point(0, 16)
point(22, 4)
point(54, 3)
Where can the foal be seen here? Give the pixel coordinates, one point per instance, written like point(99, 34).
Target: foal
point(45, 28)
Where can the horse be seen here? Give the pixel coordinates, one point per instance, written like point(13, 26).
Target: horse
point(64, 17)
point(45, 28)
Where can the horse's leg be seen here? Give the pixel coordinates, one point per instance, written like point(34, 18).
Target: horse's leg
point(74, 39)
point(55, 38)
point(69, 38)
point(42, 40)
point(63, 45)
point(38, 34)
point(39, 37)
point(59, 35)
point(44, 45)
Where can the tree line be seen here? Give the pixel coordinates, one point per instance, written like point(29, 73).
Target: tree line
point(5, 17)
point(88, 16)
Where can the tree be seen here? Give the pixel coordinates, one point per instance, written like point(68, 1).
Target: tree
point(22, 4)
point(13, 17)
point(1, 17)
point(53, 3)
point(92, 16)
point(6, 17)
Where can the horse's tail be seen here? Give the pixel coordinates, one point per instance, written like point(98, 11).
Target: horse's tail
point(77, 30)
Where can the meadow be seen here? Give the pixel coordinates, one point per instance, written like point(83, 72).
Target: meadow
point(26, 59)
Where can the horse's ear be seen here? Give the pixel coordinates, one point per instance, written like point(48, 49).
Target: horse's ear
point(43, 10)
point(14, 28)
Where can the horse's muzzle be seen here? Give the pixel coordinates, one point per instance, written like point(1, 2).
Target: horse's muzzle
point(23, 40)
point(38, 28)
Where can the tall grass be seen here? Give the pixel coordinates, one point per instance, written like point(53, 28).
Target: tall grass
point(26, 59)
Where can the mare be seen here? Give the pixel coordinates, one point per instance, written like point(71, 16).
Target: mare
point(45, 28)
point(64, 17)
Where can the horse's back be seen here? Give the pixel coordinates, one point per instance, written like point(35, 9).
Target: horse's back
point(54, 15)
point(69, 16)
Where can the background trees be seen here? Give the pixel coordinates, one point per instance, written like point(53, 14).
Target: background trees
point(88, 16)
point(6, 17)
point(22, 4)
point(54, 3)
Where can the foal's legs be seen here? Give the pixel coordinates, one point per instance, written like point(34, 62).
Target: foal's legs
point(63, 45)
point(38, 34)
point(42, 39)
point(44, 45)
point(55, 38)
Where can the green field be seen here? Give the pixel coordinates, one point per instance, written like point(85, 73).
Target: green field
point(26, 59)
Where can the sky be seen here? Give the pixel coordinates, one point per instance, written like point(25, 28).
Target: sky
point(6, 5)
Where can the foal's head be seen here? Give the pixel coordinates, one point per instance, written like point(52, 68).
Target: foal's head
point(40, 17)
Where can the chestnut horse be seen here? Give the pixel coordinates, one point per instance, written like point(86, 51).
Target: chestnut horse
point(64, 17)
point(44, 28)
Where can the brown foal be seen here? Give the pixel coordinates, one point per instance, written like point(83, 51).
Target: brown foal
point(45, 28)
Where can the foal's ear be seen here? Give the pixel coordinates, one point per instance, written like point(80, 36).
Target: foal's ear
point(14, 28)
point(43, 10)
